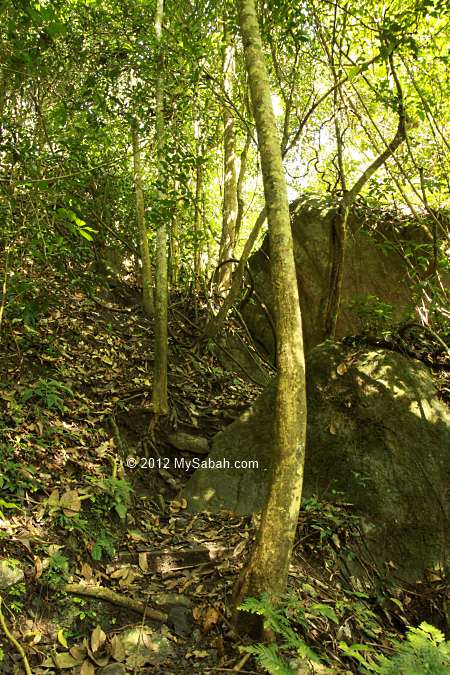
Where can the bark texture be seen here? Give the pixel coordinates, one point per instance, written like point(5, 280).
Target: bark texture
point(269, 564)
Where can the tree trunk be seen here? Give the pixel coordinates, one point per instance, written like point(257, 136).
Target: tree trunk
point(174, 245)
point(159, 395)
point(147, 282)
point(230, 201)
point(268, 567)
point(216, 323)
point(339, 225)
point(198, 216)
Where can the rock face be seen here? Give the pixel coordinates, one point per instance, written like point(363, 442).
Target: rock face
point(371, 268)
point(378, 438)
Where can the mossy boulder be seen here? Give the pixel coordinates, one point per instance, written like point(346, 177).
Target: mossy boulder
point(378, 438)
point(376, 284)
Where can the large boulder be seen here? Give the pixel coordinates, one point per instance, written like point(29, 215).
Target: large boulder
point(378, 438)
point(375, 275)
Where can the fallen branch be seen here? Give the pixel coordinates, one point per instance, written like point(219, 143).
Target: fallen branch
point(14, 642)
point(101, 593)
point(108, 305)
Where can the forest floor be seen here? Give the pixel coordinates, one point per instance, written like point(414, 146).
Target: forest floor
point(75, 388)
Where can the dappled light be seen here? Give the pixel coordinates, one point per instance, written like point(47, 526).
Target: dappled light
point(225, 337)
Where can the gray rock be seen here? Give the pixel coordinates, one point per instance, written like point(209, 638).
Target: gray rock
point(378, 437)
point(372, 267)
point(10, 573)
point(186, 442)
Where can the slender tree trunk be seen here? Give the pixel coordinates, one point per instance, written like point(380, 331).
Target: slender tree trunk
point(159, 396)
point(339, 224)
point(269, 563)
point(198, 217)
point(147, 282)
point(174, 247)
point(240, 185)
point(216, 323)
point(230, 200)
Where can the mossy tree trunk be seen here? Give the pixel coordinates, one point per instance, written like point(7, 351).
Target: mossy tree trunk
point(159, 395)
point(268, 567)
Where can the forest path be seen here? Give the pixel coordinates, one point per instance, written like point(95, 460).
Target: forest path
point(89, 478)
point(75, 388)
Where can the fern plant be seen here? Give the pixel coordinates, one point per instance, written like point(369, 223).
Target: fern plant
point(275, 619)
point(424, 652)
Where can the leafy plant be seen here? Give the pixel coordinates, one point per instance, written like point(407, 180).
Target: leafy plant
point(424, 652)
point(25, 303)
point(49, 392)
point(15, 479)
point(76, 224)
point(16, 597)
point(103, 544)
point(112, 494)
point(56, 569)
point(276, 619)
point(84, 614)
point(374, 314)
point(72, 523)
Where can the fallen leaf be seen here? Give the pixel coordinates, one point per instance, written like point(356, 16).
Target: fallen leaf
point(86, 571)
point(53, 500)
point(98, 639)
point(65, 660)
point(87, 668)
point(197, 613)
point(117, 649)
point(62, 639)
point(78, 652)
point(143, 562)
point(197, 654)
point(239, 548)
point(210, 619)
point(70, 503)
point(38, 567)
point(342, 368)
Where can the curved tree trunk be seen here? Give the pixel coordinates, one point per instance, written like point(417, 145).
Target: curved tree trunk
point(268, 568)
point(216, 323)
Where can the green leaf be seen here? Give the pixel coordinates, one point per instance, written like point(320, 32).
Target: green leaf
point(56, 28)
point(121, 510)
point(325, 610)
point(85, 234)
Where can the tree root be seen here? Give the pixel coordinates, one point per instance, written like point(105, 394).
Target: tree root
point(101, 593)
point(14, 642)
